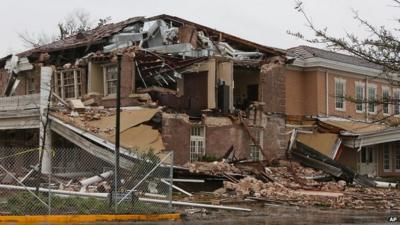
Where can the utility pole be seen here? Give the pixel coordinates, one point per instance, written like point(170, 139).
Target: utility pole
point(117, 129)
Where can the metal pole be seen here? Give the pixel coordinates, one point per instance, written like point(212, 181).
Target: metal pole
point(117, 129)
point(51, 170)
point(171, 176)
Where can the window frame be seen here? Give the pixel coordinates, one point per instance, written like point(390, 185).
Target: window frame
point(107, 81)
point(255, 152)
point(374, 87)
point(386, 88)
point(343, 82)
point(197, 143)
point(30, 85)
point(396, 103)
point(396, 165)
point(389, 160)
point(359, 84)
point(60, 86)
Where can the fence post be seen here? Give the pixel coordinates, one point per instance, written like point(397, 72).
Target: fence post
point(171, 176)
point(48, 186)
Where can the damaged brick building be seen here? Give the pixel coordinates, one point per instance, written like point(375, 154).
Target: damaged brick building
point(184, 87)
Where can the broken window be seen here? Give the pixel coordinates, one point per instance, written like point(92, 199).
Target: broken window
point(359, 97)
point(255, 152)
point(69, 84)
point(110, 80)
point(197, 143)
point(386, 158)
point(340, 92)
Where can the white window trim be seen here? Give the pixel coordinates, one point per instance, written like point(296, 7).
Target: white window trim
point(374, 86)
point(105, 80)
point(390, 159)
point(384, 88)
point(344, 94)
point(362, 85)
point(76, 86)
point(197, 138)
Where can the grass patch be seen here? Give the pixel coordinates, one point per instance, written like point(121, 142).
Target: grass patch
point(27, 204)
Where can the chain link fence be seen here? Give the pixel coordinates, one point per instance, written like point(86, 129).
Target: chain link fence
point(81, 183)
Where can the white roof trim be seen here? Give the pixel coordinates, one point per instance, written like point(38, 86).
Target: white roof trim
point(320, 62)
point(373, 138)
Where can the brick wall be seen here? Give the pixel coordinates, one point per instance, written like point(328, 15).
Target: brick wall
point(176, 135)
point(272, 87)
point(220, 138)
point(126, 75)
point(275, 139)
point(306, 93)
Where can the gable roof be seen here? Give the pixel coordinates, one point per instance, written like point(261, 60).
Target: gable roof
point(306, 52)
point(101, 34)
point(97, 35)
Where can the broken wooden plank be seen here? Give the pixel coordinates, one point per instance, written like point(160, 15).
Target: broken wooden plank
point(62, 101)
point(320, 193)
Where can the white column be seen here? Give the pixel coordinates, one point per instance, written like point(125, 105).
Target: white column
point(45, 132)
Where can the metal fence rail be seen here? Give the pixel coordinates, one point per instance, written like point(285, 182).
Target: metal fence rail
point(80, 183)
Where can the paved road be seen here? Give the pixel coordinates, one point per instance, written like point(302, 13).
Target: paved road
point(279, 216)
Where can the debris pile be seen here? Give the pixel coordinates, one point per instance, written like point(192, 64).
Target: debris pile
point(290, 183)
point(214, 168)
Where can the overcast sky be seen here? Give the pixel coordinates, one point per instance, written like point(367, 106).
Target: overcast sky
point(262, 21)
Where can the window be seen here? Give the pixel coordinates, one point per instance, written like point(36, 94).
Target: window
point(386, 158)
point(360, 97)
point(255, 153)
point(340, 93)
point(385, 99)
point(397, 157)
point(69, 84)
point(396, 105)
point(372, 98)
point(30, 86)
point(197, 143)
point(110, 80)
point(366, 155)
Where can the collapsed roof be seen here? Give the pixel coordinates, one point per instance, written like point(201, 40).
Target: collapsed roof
point(164, 34)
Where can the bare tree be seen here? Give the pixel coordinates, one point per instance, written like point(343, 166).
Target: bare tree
point(381, 47)
point(35, 39)
point(75, 22)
